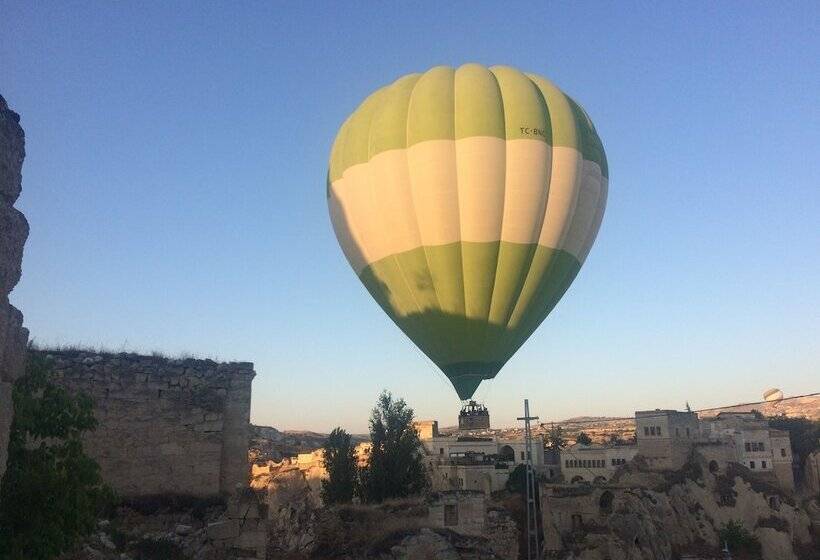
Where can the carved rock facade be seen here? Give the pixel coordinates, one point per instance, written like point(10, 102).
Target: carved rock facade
point(13, 235)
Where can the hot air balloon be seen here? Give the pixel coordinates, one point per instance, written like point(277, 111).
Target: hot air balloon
point(466, 201)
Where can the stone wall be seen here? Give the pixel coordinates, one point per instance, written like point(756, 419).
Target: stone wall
point(462, 511)
point(13, 235)
point(165, 425)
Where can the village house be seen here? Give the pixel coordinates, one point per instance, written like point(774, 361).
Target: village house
point(753, 444)
point(475, 463)
point(666, 437)
point(594, 463)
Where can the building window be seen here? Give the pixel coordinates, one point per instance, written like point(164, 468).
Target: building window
point(677, 432)
point(566, 463)
point(782, 452)
point(646, 430)
point(657, 430)
point(441, 451)
point(748, 446)
point(760, 446)
point(762, 464)
point(751, 464)
point(613, 462)
point(687, 432)
point(450, 514)
point(651, 430)
point(522, 455)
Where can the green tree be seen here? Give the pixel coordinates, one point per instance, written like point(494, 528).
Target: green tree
point(583, 438)
point(51, 492)
point(615, 439)
point(395, 468)
point(517, 481)
point(555, 438)
point(340, 463)
point(738, 538)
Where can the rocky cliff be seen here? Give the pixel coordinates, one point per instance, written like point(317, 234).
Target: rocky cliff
point(661, 516)
point(13, 235)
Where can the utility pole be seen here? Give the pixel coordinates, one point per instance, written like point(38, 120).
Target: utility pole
point(533, 542)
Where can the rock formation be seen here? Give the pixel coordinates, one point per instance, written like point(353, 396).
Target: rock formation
point(13, 235)
point(652, 516)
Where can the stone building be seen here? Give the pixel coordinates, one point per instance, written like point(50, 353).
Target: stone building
point(474, 463)
point(753, 444)
point(666, 437)
point(462, 511)
point(572, 510)
point(165, 426)
point(512, 451)
point(13, 235)
point(427, 429)
point(594, 463)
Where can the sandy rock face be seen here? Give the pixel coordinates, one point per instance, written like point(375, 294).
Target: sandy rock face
point(670, 521)
point(13, 234)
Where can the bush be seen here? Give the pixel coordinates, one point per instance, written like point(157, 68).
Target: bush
point(517, 481)
point(738, 538)
point(52, 493)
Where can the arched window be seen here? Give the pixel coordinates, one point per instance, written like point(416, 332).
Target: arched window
point(605, 502)
point(506, 453)
point(713, 466)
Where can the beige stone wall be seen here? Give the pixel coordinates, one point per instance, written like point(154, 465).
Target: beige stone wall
point(165, 425)
point(13, 235)
point(468, 515)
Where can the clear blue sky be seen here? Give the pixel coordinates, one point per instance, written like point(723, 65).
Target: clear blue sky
point(175, 186)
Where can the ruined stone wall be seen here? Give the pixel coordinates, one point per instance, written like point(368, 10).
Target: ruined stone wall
point(165, 425)
point(13, 235)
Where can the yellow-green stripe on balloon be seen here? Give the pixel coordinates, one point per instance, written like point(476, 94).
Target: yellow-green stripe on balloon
point(466, 200)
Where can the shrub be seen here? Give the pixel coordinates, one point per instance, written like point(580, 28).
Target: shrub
point(738, 538)
point(52, 492)
point(583, 438)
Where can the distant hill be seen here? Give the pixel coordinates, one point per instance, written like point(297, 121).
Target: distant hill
point(603, 428)
point(792, 407)
point(269, 443)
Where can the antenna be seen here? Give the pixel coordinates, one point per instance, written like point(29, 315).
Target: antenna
point(533, 545)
